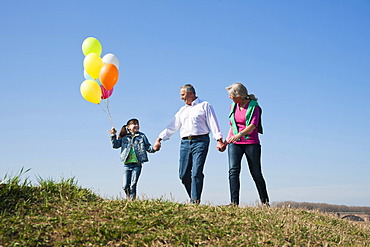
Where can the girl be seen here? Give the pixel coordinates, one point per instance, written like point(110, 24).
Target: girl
point(134, 145)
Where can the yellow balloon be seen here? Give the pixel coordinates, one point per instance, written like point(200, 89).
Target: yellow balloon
point(91, 91)
point(92, 65)
point(91, 45)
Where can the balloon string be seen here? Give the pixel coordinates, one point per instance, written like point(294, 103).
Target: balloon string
point(107, 111)
point(110, 117)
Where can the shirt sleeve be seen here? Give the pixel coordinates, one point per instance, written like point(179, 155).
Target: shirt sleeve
point(171, 128)
point(212, 122)
point(256, 116)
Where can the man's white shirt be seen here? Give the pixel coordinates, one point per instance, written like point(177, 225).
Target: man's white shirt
point(199, 118)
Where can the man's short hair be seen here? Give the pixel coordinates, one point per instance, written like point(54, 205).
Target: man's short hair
point(188, 88)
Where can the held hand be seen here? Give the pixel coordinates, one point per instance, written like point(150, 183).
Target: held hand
point(157, 145)
point(221, 146)
point(225, 144)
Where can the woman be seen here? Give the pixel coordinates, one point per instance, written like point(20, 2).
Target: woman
point(245, 121)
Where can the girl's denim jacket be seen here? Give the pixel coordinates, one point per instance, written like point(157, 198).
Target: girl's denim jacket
point(141, 146)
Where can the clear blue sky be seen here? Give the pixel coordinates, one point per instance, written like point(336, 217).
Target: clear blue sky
point(306, 61)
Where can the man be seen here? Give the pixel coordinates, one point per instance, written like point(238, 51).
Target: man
point(195, 120)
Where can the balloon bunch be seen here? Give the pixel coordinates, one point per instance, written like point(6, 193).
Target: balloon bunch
point(101, 74)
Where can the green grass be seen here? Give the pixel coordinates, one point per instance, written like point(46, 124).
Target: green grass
point(64, 214)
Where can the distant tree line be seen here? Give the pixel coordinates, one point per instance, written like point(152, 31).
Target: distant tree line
point(324, 207)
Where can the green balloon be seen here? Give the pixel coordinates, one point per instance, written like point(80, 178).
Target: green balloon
point(91, 45)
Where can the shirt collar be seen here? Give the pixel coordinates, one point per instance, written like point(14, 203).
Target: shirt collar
point(136, 134)
point(195, 102)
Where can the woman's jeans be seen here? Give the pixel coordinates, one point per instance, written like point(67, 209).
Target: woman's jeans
point(193, 155)
point(253, 154)
point(131, 174)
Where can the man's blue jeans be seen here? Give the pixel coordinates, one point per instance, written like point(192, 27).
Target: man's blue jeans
point(253, 154)
point(131, 174)
point(193, 155)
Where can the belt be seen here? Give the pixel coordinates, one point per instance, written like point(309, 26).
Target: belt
point(194, 137)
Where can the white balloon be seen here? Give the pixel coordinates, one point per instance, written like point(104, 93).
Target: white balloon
point(87, 76)
point(111, 58)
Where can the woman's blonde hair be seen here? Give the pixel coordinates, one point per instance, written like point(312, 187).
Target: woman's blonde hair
point(239, 90)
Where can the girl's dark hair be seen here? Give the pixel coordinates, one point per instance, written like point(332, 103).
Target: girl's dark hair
point(124, 131)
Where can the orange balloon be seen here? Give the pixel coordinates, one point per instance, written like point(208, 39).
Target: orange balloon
point(108, 76)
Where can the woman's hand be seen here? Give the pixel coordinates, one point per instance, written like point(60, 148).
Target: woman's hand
point(234, 138)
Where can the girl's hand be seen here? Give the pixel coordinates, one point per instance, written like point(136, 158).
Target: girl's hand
point(113, 131)
point(157, 145)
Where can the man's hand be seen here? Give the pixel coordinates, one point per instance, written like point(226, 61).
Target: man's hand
point(221, 146)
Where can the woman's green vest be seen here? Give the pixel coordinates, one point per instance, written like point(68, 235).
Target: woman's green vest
point(248, 117)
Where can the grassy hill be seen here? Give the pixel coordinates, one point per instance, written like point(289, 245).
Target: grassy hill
point(64, 214)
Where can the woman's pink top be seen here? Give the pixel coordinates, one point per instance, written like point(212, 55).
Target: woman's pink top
point(240, 122)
